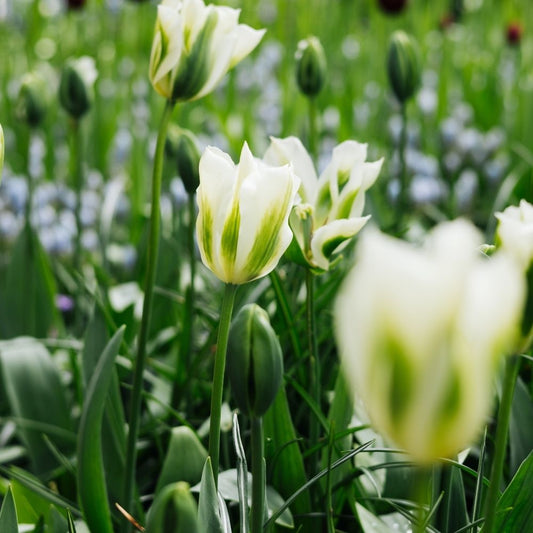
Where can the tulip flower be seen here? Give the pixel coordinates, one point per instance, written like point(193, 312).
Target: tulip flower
point(515, 232)
point(329, 214)
point(195, 45)
point(421, 332)
point(242, 225)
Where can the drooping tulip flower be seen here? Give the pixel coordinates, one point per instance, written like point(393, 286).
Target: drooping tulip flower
point(242, 225)
point(331, 208)
point(421, 332)
point(195, 45)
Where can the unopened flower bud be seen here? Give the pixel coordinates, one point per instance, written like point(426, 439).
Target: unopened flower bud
point(311, 66)
point(32, 102)
point(255, 363)
point(174, 511)
point(393, 6)
point(403, 65)
point(75, 4)
point(76, 86)
point(182, 146)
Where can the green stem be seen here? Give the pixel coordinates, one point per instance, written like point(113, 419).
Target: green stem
point(182, 380)
point(258, 475)
point(404, 181)
point(218, 376)
point(77, 170)
point(314, 363)
point(512, 366)
point(313, 129)
point(140, 360)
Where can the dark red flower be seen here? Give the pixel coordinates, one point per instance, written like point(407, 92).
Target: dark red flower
point(75, 4)
point(514, 33)
point(392, 6)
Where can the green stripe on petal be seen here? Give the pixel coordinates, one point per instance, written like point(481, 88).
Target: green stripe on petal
point(344, 207)
point(205, 231)
point(230, 238)
point(193, 69)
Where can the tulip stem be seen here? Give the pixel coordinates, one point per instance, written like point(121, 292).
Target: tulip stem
point(218, 376)
point(512, 366)
point(140, 360)
point(258, 475)
point(404, 182)
point(181, 382)
point(314, 363)
point(313, 129)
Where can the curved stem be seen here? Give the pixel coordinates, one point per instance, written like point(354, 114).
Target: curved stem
point(77, 164)
point(218, 376)
point(140, 360)
point(258, 475)
point(512, 366)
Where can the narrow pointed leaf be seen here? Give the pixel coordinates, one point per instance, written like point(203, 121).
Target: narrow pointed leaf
point(91, 475)
point(209, 519)
point(8, 514)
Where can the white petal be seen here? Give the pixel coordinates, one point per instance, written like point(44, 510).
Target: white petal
point(337, 232)
point(247, 40)
point(291, 150)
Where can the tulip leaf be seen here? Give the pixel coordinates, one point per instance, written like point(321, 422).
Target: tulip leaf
point(371, 523)
point(8, 514)
point(35, 395)
point(514, 511)
point(114, 422)
point(283, 450)
point(209, 519)
point(520, 427)
point(452, 513)
point(28, 274)
point(91, 474)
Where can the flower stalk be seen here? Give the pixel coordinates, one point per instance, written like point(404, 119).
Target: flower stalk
point(140, 360)
point(218, 376)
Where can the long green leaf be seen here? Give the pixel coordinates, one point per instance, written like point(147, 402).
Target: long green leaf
point(8, 514)
point(114, 422)
point(91, 474)
point(514, 512)
point(520, 426)
point(35, 394)
point(288, 471)
point(209, 519)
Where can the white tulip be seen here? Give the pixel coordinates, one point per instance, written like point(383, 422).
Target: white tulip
point(335, 200)
point(195, 45)
point(515, 232)
point(242, 225)
point(421, 332)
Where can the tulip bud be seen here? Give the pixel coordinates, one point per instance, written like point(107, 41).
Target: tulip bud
point(32, 102)
point(403, 65)
point(311, 66)
point(182, 146)
point(174, 511)
point(255, 363)
point(393, 6)
point(76, 86)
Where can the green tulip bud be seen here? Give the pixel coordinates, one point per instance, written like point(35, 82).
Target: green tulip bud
point(182, 146)
point(76, 86)
point(403, 65)
point(255, 363)
point(311, 66)
point(32, 101)
point(174, 511)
